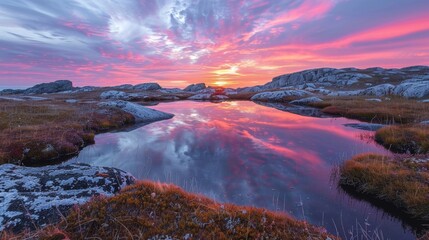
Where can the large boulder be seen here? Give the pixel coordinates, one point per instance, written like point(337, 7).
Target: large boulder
point(412, 89)
point(147, 86)
point(52, 87)
point(279, 96)
point(141, 113)
point(195, 87)
point(34, 197)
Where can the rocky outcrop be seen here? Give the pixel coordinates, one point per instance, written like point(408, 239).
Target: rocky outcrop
point(195, 87)
point(34, 197)
point(339, 80)
point(147, 86)
point(379, 90)
point(113, 94)
point(53, 87)
point(171, 90)
point(141, 113)
point(278, 96)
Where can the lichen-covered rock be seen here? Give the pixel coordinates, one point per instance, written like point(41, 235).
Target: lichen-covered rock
point(195, 87)
point(413, 88)
point(52, 87)
point(33, 197)
point(147, 86)
point(279, 96)
point(141, 113)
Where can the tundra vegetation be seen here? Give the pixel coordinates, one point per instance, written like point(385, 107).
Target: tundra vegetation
point(149, 210)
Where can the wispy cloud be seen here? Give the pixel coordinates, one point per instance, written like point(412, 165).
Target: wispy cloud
point(178, 42)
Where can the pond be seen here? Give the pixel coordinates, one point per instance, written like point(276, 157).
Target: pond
point(248, 154)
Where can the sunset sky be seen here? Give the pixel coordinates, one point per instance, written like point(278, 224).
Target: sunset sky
point(219, 42)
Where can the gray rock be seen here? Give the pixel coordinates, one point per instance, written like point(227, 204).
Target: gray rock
point(34, 197)
point(71, 101)
point(113, 94)
point(11, 91)
point(425, 101)
point(412, 89)
point(85, 89)
point(53, 87)
point(345, 93)
point(147, 86)
point(416, 69)
point(195, 87)
point(141, 113)
point(305, 101)
point(425, 122)
point(171, 90)
point(279, 96)
point(379, 90)
point(207, 90)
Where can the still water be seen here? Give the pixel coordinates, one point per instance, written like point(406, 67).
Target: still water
point(249, 154)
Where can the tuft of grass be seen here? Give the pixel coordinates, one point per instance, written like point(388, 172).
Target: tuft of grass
point(403, 183)
point(412, 139)
point(151, 210)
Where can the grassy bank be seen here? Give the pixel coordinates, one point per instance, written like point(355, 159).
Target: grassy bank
point(412, 139)
point(43, 131)
point(401, 182)
point(396, 110)
point(150, 210)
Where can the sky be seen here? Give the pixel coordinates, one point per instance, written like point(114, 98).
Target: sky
point(229, 43)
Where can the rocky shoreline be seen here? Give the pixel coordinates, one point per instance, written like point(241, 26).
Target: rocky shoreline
point(33, 197)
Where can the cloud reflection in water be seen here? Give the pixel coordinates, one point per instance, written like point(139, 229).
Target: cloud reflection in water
point(245, 153)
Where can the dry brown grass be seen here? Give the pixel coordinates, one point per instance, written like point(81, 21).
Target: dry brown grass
point(412, 139)
point(148, 209)
point(400, 182)
point(43, 131)
point(396, 110)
